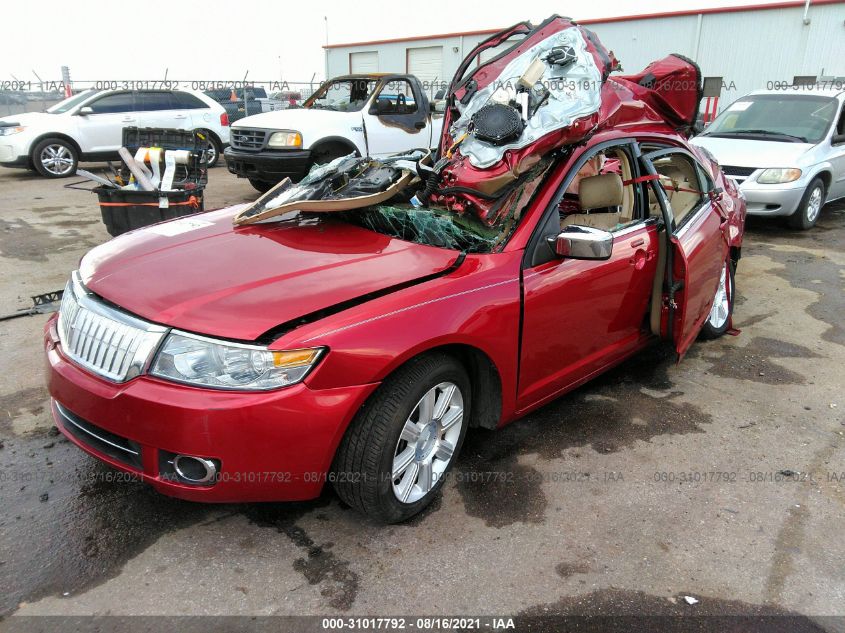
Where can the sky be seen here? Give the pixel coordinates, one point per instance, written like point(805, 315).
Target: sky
point(264, 40)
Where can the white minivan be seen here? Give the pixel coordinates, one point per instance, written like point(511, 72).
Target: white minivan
point(785, 148)
point(89, 127)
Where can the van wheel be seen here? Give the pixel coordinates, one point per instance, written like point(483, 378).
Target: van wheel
point(807, 214)
point(55, 158)
point(400, 447)
point(723, 304)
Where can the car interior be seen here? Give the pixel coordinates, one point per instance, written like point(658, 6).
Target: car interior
point(599, 196)
point(679, 181)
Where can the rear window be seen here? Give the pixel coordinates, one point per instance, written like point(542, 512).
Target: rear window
point(154, 101)
point(185, 101)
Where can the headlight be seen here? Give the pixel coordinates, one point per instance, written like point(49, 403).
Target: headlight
point(206, 362)
point(285, 139)
point(8, 131)
point(777, 176)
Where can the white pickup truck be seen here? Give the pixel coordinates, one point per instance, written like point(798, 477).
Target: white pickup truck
point(371, 115)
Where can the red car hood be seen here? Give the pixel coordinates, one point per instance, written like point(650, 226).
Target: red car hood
point(203, 275)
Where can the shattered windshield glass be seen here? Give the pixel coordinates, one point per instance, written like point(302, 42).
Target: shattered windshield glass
point(437, 226)
point(426, 226)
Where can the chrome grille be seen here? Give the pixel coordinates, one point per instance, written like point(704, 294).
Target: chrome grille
point(110, 343)
point(243, 138)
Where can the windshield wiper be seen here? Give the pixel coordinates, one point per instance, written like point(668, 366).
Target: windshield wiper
point(797, 139)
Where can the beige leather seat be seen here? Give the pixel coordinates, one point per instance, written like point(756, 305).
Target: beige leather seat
point(599, 193)
point(679, 175)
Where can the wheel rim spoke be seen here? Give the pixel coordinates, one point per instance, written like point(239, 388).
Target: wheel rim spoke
point(445, 450)
point(453, 415)
point(443, 401)
point(410, 432)
point(408, 481)
point(426, 407)
point(426, 476)
point(402, 461)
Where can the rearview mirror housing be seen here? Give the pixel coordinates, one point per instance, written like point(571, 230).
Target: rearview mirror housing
point(582, 242)
point(85, 111)
point(837, 139)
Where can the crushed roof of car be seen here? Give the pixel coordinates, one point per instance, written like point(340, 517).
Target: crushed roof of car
point(550, 87)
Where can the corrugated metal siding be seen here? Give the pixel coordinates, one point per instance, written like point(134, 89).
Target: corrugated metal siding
point(749, 49)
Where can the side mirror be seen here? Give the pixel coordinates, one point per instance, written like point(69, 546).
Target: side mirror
point(85, 111)
point(440, 94)
point(582, 242)
point(837, 139)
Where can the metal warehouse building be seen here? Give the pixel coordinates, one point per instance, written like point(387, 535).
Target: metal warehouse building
point(739, 48)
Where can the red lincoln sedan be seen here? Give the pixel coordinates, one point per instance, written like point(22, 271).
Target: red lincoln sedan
point(224, 362)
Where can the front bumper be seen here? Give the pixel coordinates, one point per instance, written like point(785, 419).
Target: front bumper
point(268, 166)
point(270, 446)
point(772, 200)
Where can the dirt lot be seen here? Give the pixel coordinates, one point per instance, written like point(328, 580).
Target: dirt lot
point(722, 478)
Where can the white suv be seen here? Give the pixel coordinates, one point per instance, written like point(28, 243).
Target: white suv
point(89, 127)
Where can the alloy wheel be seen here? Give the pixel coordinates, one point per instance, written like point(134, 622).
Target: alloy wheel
point(56, 159)
point(722, 303)
point(427, 442)
point(814, 205)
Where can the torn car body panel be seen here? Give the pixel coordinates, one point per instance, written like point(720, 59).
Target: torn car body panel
point(579, 99)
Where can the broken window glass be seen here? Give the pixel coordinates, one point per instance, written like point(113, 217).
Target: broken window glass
point(426, 226)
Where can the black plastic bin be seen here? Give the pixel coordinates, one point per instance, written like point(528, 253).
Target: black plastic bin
point(125, 210)
point(196, 171)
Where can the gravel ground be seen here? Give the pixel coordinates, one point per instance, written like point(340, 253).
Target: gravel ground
point(721, 478)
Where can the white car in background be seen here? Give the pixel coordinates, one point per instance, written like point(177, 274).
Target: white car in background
point(785, 148)
point(89, 127)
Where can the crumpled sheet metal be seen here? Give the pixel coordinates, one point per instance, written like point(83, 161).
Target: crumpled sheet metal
point(348, 182)
point(575, 92)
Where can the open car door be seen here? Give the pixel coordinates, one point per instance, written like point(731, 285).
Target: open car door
point(693, 249)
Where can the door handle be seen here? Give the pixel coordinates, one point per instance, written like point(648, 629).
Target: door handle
point(180, 116)
point(639, 259)
point(638, 242)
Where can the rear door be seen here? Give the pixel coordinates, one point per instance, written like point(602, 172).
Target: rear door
point(200, 113)
point(697, 244)
point(158, 108)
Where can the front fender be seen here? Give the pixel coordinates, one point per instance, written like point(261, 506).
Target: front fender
point(478, 306)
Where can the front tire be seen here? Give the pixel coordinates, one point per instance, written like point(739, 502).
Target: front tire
point(261, 185)
point(55, 158)
point(807, 214)
point(398, 450)
point(719, 319)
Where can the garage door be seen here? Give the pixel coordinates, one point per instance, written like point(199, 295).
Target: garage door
point(427, 64)
point(364, 62)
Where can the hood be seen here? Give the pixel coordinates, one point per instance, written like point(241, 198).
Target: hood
point(296, 119)
point(752, 153)
point(203, 275)
point(27, 118)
